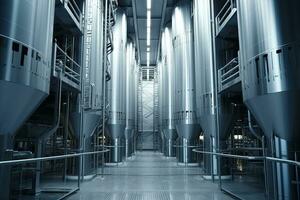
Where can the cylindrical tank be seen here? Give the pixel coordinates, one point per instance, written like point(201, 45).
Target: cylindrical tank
point(204, 71)
point(26, 31)
point(130, 98)
point(269, 48)
point(205, 84)
point(92, 80)
point(93, 52)
point(168, 73)
point(117, 88)
point(185, 108)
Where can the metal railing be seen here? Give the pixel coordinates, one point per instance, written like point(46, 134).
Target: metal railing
point(252, 159)
point(228, 8)
point(73, 10)
point(229, 74)
point(57, 187)
point(69, 67)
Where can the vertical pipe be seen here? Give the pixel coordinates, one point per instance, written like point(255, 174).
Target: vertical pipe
point(104, 80)
point(66, 134)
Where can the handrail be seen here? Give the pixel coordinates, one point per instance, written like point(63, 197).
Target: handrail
point(292, 162)
point(70, 68)
point(234, 61)
point(230, 155)
point(229, 73)
point(224, 12)
point(74, 8)
point(29, 160)
point(187, 146)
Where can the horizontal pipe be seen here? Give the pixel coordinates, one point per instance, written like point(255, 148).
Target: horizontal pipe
point(230, 155)
point(29, 160)
point(188, 146)
point(292, 162)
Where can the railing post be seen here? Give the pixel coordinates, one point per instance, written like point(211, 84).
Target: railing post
point(54, 58)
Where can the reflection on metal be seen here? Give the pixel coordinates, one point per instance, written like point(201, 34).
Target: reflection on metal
point(269, 46)
point(167, 91)
point(130, 99)
point(185, 105)
point(117, 86)
point(204, 71)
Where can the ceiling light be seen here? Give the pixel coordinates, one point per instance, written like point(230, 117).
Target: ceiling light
point(149, 4)
point(148, 59)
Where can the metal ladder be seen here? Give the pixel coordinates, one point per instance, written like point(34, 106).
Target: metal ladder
point(87, 101)
point(140, 111)
point(156, 138)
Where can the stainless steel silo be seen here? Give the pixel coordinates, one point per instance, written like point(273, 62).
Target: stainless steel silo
point(206, 99)
point(130, 98)
point(269, 48)
point(117, 87)
point(93, 52)
point(168, 82)
point(26, 30)
point(185, 108)
point(92, 80)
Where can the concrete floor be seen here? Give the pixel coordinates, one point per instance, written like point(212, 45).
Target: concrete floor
point(150, 176)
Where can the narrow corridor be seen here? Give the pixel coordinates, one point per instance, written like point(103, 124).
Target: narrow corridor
point(150, 176)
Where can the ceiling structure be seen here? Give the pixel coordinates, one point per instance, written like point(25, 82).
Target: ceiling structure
point(136, 11)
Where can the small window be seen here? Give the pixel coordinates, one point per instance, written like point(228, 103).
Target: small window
point(38, 57)
point(257, 68)
point(267, 69)
point(16, 47)
point(23, 54)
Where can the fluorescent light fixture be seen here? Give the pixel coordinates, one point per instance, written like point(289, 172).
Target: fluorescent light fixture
point(149, 4)
point(148, 39)
point(148, 23)
point(148, 31)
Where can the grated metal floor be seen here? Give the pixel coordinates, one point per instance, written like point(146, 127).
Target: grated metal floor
point(150, 176)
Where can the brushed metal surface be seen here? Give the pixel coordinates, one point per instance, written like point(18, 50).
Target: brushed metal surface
point(117, 84)
point(93, 51)
point(168, 91)
point(26, 30)
point(269, 48)
point(185, 94)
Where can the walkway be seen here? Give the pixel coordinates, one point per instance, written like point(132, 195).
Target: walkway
point(150, 176)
